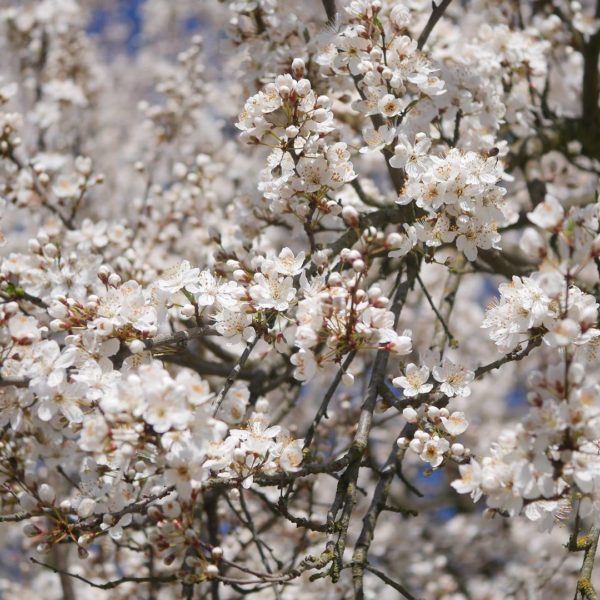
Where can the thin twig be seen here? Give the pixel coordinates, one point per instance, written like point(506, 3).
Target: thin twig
point(436, 15)
point(233, 375)
point(109, 585)
point(330, 10)
point(435, 310)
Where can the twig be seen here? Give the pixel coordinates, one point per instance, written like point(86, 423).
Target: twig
point(435, 310)
point(179, 337)
point(591, 80)
point(326, 399)
point(233, 375)
point(512, 356)
point(109, 585)
point(397, 586)
point(436, 15)
point(330, 10)
point(585, 589)
point(8, 381)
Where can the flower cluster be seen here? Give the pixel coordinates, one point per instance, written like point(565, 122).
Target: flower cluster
point(431, 441)
point(290, 118)
point(236, 274)
point(542, 305)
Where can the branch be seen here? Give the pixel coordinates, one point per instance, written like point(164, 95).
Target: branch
point(8, 381)
point(328, 395)
point(436, 15)
point(39, 189)
point(585, 588)
point(447, 304)
point(179, 338)
point(591, 82)
point(330, 10)
point(436, 311)
point(233, 375)
point(18, 293)
point(109, 585)
point(512, 356)
point(378, 503)
point(397, 586)
point(345, 495)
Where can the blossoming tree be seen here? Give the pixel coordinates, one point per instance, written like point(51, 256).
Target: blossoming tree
point(307, 308)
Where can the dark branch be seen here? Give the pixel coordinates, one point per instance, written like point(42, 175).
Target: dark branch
point(436, 15)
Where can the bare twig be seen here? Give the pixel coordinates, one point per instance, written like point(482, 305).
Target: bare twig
point(589, 544)
point(326, 399)
point(591, 79)
point(397, 586)
point(330, 10)
point(439, 316)
point(436, 15)
point(109, 585)
point(233, 375)
point(511, 357)
point(179, 337)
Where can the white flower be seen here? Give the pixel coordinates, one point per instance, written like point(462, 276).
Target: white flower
point(455, 424)
point(455, 379)
point(10, 408)
point(177, 278)
point(288, 264)
point(49, 366)
point(389, 106)
point(313, 173)
point(197, 390)
point(66, 187)
point(210, 291)
point(376, 139)
point(233, 407)
point(272, 291)
point(235, 326)
point(414, 382)
point(185, 471)
point(65, 399)
point(433, 451)
point(400, 344)
point(94, 433)
point(470, 480)
point(291, 456)
point(306, 367)
point(24, 330)
point(548, 214)
point(563, 333)
point(413, 159)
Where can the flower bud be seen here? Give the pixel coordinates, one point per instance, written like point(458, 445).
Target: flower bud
point(136, 346)
point(457, 449)
point(298, 68)
point(114, 280)
point(212, 571)
point(347, 379)
point(239, 455)
point(410, 414)
point(303, 88)
point(351, 216)
point(358, 266)
point(187, 310)
point(262, 405)
point(86, 507)
point(46, 493)
point(50, 250)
